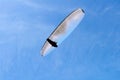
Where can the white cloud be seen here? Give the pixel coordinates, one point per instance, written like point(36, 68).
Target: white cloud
point(106, 9)
point(35, 5)
point(44, 6)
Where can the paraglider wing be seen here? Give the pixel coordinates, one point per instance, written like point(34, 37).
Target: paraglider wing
point(62, 31)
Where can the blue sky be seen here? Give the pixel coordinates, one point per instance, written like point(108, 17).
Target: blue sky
point(91, 52)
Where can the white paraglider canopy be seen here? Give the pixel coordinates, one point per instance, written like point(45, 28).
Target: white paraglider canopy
point(62, 31)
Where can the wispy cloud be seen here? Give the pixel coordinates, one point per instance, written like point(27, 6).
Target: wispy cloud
point(34, 5)
point(118, 13)
point(106, 9)
point(100, 11)
point(44, 6)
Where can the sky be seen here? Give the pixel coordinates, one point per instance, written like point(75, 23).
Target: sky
point(91, 52)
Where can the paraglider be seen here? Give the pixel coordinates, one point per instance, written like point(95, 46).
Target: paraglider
point(62, 31)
